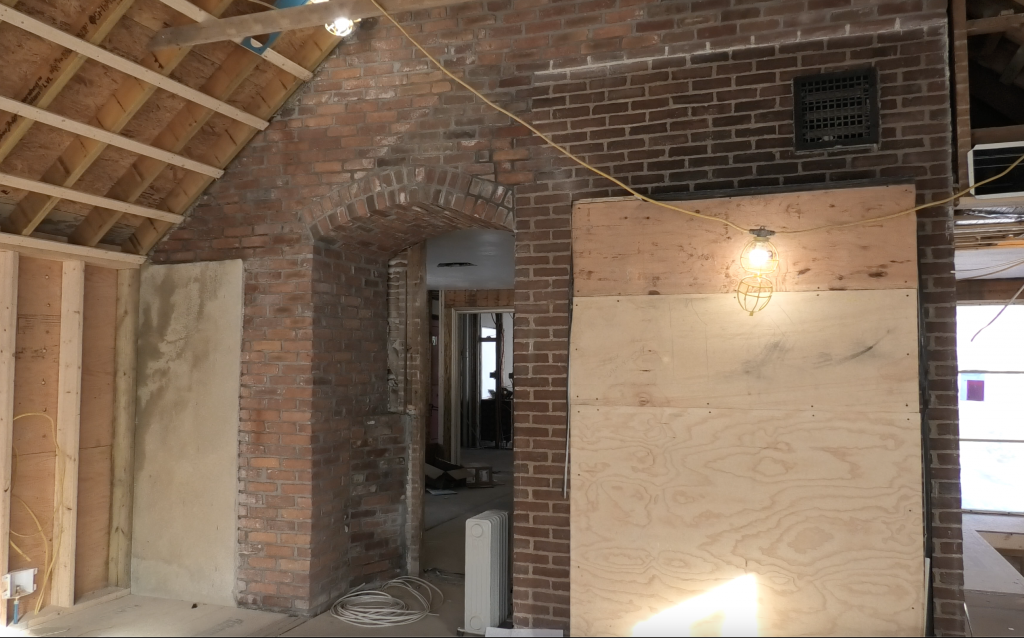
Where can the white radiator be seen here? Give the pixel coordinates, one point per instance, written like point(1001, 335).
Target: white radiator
point(487, 571)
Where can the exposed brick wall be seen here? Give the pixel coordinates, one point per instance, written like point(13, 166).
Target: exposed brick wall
point(669, 96)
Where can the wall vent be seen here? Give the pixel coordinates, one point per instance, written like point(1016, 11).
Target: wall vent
point(836, 109)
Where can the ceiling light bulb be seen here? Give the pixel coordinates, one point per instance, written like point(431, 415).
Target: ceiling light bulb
point(341, 27)
point(758, 258)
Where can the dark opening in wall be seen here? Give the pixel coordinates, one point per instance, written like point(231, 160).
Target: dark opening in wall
point(836, 109)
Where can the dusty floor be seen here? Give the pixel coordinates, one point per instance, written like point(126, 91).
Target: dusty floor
point(443, 548)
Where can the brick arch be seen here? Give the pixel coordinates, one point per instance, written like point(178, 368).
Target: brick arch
point(391, 209)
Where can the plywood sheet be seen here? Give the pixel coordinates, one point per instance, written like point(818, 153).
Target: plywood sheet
point(823, 508)
point(98, 327)
point(635, 248)
point(31, 500)
point(852, 350)
point(93, 533)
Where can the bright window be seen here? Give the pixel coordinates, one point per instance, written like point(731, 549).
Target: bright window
point(991, 384)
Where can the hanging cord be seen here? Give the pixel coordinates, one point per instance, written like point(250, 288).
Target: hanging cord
point(564, 151)
point(366, 606)
point(49, 558)
point(1008, 304)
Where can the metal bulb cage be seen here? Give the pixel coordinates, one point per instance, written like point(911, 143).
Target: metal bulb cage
point(341, 27)
point(754, 292)
point(769, 266)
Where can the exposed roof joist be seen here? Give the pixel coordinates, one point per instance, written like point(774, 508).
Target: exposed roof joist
point(308, 15)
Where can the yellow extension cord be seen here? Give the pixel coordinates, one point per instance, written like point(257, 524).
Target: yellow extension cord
point(620, 184)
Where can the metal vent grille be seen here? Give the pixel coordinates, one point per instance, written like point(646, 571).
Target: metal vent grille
point(836, 109)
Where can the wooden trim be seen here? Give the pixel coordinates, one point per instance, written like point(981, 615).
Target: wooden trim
point(57, 251)
point(123, 445)
point(55, 74)
point(85, 198)
point(308, 15)
point(998, 135)
point(120, 141)
point(192, 11)
point(8, 334)
point(69, 412)
point(981, 26)
point(970, 203)
point(231, 142)
point(66, 40)
point(498, 298)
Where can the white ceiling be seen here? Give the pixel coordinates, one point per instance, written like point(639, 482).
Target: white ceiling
point(990, 263)
point(492, 252)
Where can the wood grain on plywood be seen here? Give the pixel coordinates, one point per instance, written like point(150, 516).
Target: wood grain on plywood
point(824, 508)
point(852, 350)
point(98, 323)
point(93, 530)
point(635, 248)
point(32, 501)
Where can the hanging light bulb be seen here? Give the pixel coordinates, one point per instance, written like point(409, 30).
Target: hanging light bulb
point(341, 27)
point(758, 258)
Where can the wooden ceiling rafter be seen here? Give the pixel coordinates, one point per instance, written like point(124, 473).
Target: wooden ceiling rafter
point(231, 142)
point(270, 55)
point(62, 38)
point(115, 114)
point(174, 137)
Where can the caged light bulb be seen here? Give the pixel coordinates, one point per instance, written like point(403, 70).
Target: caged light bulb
point(758, 258)
point(340, 27)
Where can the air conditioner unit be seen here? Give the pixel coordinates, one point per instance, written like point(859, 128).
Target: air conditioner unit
point(488, 586)
point(988, 160)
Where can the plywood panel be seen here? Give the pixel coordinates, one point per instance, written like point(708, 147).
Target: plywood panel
point(634, 248)
point(93, 534)
point(32, 494)
point(99, 322)
point(853, 350)
point(824, 508)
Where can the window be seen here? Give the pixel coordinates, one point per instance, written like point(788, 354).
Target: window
point(991, 382)
point(835, 109)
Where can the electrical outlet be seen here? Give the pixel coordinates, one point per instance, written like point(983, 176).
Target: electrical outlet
point(18, 583)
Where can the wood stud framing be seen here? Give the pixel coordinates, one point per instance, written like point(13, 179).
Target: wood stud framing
point(8, 331)
point(69, 402)
point(82, 43)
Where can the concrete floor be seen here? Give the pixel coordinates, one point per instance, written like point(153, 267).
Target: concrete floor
point(443, 548)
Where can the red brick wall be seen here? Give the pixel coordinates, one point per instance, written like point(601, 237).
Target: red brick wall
point(669, 96)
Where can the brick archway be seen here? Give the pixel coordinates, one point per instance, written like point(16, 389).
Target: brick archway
point(391, 209)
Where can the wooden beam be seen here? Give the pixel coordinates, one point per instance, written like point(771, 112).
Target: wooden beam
point(417, 371)
point(8, 332)
point(309, 15)
point(69, 411)
point(174, 137)
point(85, 198)
point(981, 26)
point(98, 134)
point(231, 142)
point(998, 135)
point(961, 88)
point(54, 74)
point(56, 251)
point(1013, 68)
point(103, 56)
point(992, 291)
point(113, 116)
point(123, 446)
point(187, 8)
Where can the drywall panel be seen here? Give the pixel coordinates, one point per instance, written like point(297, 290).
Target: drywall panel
point(852, 350)
point(186, 452)
point(823, 509)
point(630, 247)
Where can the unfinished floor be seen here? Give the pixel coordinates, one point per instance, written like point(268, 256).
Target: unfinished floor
point(443, 549)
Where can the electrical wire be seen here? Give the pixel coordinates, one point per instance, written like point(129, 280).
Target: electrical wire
point(368, 606)
point(1008, 304)
point(564, 151)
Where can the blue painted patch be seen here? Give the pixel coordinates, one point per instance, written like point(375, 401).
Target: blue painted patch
point(269, 40)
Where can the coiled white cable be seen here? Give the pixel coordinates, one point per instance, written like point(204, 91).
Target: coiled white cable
point(369, 606)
